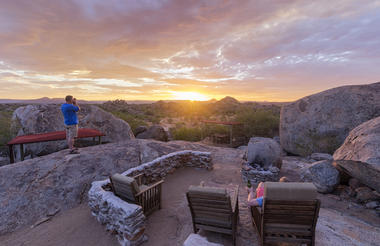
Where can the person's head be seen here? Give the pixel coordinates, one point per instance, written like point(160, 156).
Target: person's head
point(69, 99)
point(283, 179)
point(260, 184)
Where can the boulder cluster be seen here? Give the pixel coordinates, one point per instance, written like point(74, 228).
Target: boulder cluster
point(353, 172)
point(338, 130)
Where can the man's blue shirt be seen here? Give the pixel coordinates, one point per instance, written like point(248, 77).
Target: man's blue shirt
point(69, 113)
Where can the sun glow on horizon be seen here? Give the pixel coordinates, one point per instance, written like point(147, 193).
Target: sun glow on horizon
point(189, 95)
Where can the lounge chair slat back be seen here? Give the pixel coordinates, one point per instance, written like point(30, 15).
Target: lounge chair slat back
point(147, 196)
point(290, 191)
point(211, 209)
point(289, 213)
point(125, 187)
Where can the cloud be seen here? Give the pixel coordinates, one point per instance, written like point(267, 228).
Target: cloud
point(253, 50)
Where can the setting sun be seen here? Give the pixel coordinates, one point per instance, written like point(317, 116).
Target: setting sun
point(187, 95)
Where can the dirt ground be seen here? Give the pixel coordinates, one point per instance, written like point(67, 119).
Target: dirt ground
point(339, 224)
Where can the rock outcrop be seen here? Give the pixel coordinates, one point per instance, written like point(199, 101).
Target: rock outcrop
point(364, 172)
point(34, 119)
point(155, 132)
point(323, 175)
point(364, 194)
point(321, 122)
point(359, 156)
point(265, 152)
point(140, 129)
point(30, 189)
point(321, 156)
point(362, 144)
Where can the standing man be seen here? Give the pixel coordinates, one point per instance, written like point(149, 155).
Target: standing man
point(69, 111)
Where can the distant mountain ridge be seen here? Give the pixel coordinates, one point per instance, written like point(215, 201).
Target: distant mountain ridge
point(47, 100)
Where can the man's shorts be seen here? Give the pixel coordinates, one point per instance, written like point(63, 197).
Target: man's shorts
point(71, 131)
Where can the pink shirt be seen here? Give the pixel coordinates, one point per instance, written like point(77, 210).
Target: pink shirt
point(260, 191)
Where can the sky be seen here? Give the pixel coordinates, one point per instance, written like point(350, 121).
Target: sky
point(151, 50)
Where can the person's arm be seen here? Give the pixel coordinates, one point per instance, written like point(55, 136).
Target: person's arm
point(251, 198)
point(75, 103)
point(258, 202)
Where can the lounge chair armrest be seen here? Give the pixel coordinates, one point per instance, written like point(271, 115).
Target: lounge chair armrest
point(150, 187)
point(138, 178)
point(234, 199)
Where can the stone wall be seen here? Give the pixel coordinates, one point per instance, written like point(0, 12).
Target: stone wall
point(255, 173)
point(125, 219)
point(198, 240)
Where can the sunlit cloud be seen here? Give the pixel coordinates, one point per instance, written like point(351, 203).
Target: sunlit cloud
point(80, 72)
point(188, 95)
point(252, 50)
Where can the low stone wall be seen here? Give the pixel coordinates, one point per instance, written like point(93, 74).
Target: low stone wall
point(125, 219)
point(255, 173)
point(198, 240)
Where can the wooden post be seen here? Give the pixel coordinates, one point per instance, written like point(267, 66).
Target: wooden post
point(202, 131)
point(11, 154)
point(231, 135)
point(22, 151)
point(100, 140)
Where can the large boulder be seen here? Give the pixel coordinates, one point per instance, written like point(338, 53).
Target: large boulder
point(362, 144)
point(323, 175)
point(359, 156)
point(265, 152)
point(34, 189)
point(156, 132)
point(140, 129)
point(367, 174)
point(320, 123)
point(34, 119)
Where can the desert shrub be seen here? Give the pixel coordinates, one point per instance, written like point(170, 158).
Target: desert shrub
point(132, 120)
point(263, 123)
point(155, 119)
point(211, 129)
point(5, 125)
point(185, 133)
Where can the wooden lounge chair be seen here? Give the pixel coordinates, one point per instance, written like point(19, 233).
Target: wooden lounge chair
point(147, 196)
point(289, 213)
point(213, 209)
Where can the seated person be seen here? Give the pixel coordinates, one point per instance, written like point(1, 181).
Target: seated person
point(258, 199)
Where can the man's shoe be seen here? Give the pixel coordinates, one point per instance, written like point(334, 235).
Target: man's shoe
point(73, 151)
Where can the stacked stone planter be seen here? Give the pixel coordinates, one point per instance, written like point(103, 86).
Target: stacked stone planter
point(255, 173)
point(127, 220)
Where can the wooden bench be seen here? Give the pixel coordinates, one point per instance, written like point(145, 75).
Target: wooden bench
point(50, 136)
